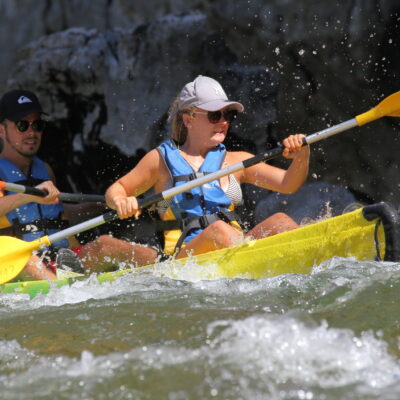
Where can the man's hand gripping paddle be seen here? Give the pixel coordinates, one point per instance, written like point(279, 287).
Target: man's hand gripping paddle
point(67, 197)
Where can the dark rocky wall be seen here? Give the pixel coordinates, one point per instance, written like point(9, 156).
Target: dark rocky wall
point(334, 60)
point(107, 71)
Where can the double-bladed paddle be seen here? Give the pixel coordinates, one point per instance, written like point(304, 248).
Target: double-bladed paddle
point(15, 253)
point(67, 197)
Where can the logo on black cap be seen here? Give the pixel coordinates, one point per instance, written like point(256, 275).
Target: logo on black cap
point(24, 99)
point(19, 103)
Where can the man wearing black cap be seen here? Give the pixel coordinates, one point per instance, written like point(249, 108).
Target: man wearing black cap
point(21, 128)
point(31, 217)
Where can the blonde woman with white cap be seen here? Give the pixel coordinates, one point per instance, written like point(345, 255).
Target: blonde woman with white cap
point(203, 219)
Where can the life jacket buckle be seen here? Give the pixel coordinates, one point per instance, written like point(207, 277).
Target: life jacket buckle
point(189, 195)
point(203, 221)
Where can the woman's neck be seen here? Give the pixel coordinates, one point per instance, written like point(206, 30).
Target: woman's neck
point(195, 149)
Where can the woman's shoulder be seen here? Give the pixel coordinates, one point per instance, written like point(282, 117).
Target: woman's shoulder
point(151, 161)
point(152, 155)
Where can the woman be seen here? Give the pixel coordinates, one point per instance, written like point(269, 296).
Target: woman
point(202, 220)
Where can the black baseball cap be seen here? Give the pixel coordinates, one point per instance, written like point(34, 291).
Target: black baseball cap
point(18, 103)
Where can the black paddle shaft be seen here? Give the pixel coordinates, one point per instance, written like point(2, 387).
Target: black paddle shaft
point(67, 197)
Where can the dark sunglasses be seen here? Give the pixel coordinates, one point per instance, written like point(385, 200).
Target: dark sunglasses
point(215, 116)
point(38, 125)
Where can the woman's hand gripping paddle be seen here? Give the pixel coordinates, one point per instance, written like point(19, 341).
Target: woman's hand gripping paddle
point(15, 253)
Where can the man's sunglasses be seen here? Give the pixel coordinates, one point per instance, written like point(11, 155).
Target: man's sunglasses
point(215, 116)
point(23, 125)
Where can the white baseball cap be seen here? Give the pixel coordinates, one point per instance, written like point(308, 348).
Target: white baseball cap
point(205, 93)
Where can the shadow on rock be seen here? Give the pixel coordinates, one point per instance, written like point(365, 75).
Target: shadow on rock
point(312, 201)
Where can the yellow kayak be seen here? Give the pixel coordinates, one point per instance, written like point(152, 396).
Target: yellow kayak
point(297, 251)
point(368, 233)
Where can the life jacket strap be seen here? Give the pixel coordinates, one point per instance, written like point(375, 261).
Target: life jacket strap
point(189, 177)
point(40, 225)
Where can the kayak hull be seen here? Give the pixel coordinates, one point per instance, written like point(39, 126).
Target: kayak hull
point(368, 233)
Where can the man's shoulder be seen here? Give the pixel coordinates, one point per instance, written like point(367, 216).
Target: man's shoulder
point(5, 162)
point(8, 161)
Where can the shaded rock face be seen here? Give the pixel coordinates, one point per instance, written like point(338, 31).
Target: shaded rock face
point(108, 73)
point(109, 92)
point(319, 200)
point(333, 60)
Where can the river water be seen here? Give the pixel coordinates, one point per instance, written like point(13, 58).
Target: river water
point(333, 334)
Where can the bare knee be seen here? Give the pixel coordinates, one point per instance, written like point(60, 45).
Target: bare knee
point(224, 234)
point(280, 216)
point(34, 269)
point(285, 221)
point(105, 241)
point(216, 236)
point(276, 223)
point(96, 250)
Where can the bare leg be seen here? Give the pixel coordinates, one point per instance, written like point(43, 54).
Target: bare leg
point(276, 223)
point(104, 253)
point(216, 236)
point(34, 270)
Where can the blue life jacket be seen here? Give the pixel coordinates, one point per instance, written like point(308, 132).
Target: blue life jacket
point(202, 205)
point(32, 220)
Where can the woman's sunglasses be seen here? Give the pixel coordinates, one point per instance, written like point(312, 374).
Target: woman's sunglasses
point(23, 125)
point(215, 116)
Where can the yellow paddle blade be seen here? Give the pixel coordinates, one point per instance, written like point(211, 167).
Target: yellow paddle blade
point(14, 255)
point(389, 107)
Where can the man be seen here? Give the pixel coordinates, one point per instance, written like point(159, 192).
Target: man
point(30, 217)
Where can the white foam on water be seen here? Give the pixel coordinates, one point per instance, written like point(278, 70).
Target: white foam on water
point(352, 266)
point(190, 271)
point(281, 355)
point(356, 275)
point(341, 272)
point(289, 350)
point(273, 352)
point(13, 356)
point(79, 291)
point(261, 354)
point(90, 288)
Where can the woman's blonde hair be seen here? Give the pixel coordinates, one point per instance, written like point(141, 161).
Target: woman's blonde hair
point(179, 129)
